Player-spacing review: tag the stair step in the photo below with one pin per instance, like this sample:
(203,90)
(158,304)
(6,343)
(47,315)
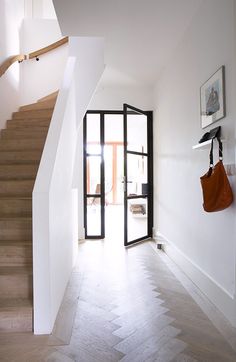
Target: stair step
(16,282)
(20,157)
(15,253)
(21,144)
(18,172)
(20,123)
(49,97)
(26,133)
(16,187)
(15,315)
(15,207)
(15,228)
(38,113)
(50,104)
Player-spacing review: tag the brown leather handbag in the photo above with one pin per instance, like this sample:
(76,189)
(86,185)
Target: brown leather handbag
(217,192)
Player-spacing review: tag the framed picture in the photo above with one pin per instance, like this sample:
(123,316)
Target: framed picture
(212,94)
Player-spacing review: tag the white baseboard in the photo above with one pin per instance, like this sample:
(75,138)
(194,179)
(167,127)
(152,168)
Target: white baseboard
(225,302)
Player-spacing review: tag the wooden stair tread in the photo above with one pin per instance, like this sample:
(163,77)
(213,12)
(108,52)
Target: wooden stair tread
(19,181)
(19,119)
(15,303)
(18,171)
(17,187)
(20,157)
(16,315)
(27,123)
(50,104)
(12,165)
(16,270)
(13,180)
(37,112)
(49,96)
(16,242)
(5,218)
(26,143)
(37,107)
(15,197)
(33,133)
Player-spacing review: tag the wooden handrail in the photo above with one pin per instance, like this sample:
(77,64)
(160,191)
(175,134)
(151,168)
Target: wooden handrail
(47,49)
(20,57)
(9,61)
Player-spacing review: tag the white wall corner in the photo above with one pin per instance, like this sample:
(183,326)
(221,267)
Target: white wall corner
(224,301)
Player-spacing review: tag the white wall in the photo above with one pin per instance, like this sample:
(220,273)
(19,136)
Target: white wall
(39,9)
(40,78)
(54,231)
(12,14)
(55,195)
(109,97)
(78,181)
(203,244)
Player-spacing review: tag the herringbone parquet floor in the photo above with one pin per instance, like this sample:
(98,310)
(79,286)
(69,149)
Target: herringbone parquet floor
(126,305)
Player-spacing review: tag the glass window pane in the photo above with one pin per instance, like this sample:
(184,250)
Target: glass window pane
(93,216)
(137,218)
(113,128)
(136,132)
(114,158)
(93,134)
(120,175)
(109,171)
(93,174)
(136,174)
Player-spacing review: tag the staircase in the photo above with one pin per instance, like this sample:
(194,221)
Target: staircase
(21,145)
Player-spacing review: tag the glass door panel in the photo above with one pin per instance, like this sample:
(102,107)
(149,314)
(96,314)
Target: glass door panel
(120,175)
(109,167)
(136,132)
(137,218)
(137,175)
(93,133)
(93,216)
(93,176)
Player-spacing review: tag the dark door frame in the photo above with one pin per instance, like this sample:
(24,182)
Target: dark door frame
(101,195)
(149,155)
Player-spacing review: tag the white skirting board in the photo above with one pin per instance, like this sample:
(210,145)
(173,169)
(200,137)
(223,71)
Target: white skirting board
(225,302)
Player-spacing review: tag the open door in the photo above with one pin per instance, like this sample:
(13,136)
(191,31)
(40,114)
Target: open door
(138,175)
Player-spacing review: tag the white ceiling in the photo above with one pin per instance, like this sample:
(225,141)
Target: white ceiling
(140,35)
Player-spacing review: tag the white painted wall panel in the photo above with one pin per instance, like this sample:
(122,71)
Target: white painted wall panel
(55,195)
(206,239)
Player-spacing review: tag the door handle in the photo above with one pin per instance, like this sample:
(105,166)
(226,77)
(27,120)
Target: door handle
(124,181)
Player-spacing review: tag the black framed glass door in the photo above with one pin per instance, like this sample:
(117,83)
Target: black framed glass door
(138,175)
(94,194)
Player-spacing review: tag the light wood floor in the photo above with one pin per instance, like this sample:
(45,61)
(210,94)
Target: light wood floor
(123,305)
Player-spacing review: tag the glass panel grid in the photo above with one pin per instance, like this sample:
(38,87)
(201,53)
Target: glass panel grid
(137,218)
(137,132)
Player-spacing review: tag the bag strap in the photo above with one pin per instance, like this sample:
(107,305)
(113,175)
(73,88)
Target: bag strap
(220,151)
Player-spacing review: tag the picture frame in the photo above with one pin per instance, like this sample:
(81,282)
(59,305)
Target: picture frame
(212,98)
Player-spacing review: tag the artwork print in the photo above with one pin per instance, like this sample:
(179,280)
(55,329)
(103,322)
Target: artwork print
(212,99)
